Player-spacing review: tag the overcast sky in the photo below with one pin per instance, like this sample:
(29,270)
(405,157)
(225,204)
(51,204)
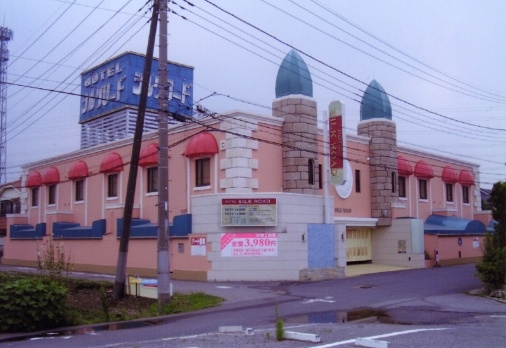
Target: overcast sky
(443,63)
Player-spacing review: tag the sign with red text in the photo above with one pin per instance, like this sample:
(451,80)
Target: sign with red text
(248,212)
(249,244)
(198,246)
(337,140)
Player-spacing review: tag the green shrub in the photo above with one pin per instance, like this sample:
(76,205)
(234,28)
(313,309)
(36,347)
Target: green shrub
(492,268)
(30,304)
(280,329)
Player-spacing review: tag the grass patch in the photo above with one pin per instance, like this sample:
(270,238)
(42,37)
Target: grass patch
(181,303)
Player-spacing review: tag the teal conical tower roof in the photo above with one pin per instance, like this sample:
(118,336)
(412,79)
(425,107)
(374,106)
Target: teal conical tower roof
(375,103)
(293,77)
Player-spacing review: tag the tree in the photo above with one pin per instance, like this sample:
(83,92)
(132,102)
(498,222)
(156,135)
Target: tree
(492,268)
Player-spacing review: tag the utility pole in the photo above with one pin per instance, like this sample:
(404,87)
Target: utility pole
(163,165)
(5,37)
(119,282)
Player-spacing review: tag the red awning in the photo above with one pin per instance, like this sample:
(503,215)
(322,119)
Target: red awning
(112,163)
(78,170)
(201,144)
(52,176)
(149,155)
(423,170)
(466,178)
(449,175)
(403,166)
(34,179)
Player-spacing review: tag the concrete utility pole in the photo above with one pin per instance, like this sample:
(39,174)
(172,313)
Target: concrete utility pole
(119,282)
(163,165)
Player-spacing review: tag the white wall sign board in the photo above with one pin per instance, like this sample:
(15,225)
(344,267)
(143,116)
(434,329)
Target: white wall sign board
(249,244)
(198,246)
(248,212)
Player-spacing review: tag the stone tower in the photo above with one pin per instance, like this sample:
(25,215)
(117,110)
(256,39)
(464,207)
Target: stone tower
(376,123)
(295,104)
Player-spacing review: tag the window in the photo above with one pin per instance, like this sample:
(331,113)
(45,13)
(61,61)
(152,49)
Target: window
(35,197)
(394,180)
(423,188)
(9,207)
(79,184)
(320,176)
(449,192)
(112,185)
(203,172)
(357,180)
(51,195)
(310,172)
(153,179)
(402,186)
(465,194)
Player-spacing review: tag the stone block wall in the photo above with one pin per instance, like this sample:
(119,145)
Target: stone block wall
(383,163)
(300,143)
(239,164)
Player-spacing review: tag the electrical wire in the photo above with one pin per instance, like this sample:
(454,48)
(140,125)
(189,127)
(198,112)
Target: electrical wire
(346,74)
(355,97)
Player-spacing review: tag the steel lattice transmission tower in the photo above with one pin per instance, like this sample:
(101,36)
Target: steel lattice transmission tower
(5,37)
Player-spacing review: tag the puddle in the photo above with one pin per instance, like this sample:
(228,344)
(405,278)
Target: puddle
(87,330)
(364,287)
(341,317)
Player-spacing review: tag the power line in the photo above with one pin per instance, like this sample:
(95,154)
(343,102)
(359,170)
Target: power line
(355,97)
(346,74)
(336,14)
(90,56)
(478,96)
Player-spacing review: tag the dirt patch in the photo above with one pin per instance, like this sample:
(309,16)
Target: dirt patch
(90,301)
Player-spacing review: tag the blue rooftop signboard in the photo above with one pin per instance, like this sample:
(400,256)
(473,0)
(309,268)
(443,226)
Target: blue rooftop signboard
(117,83)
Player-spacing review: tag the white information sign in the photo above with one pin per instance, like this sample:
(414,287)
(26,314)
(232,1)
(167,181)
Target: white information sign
(198,246)
(248,212)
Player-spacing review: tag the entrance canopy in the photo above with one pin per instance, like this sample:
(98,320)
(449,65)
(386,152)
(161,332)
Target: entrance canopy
(453,225)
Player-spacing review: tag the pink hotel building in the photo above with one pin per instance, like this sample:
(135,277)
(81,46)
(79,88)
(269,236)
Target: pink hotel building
(246,192)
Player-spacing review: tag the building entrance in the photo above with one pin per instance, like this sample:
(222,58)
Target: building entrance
(358,244)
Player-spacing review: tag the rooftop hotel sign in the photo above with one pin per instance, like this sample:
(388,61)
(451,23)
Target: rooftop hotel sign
(116,83)
(337,140)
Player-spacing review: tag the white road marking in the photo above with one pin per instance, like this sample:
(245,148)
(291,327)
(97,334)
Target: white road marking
(340,343)
(317,300)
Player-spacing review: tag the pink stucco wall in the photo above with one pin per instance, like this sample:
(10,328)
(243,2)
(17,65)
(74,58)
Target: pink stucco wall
(448,246)
(358,204)
(413,206)
(101,254)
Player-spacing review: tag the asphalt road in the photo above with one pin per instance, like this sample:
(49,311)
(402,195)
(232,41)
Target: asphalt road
(425,308)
